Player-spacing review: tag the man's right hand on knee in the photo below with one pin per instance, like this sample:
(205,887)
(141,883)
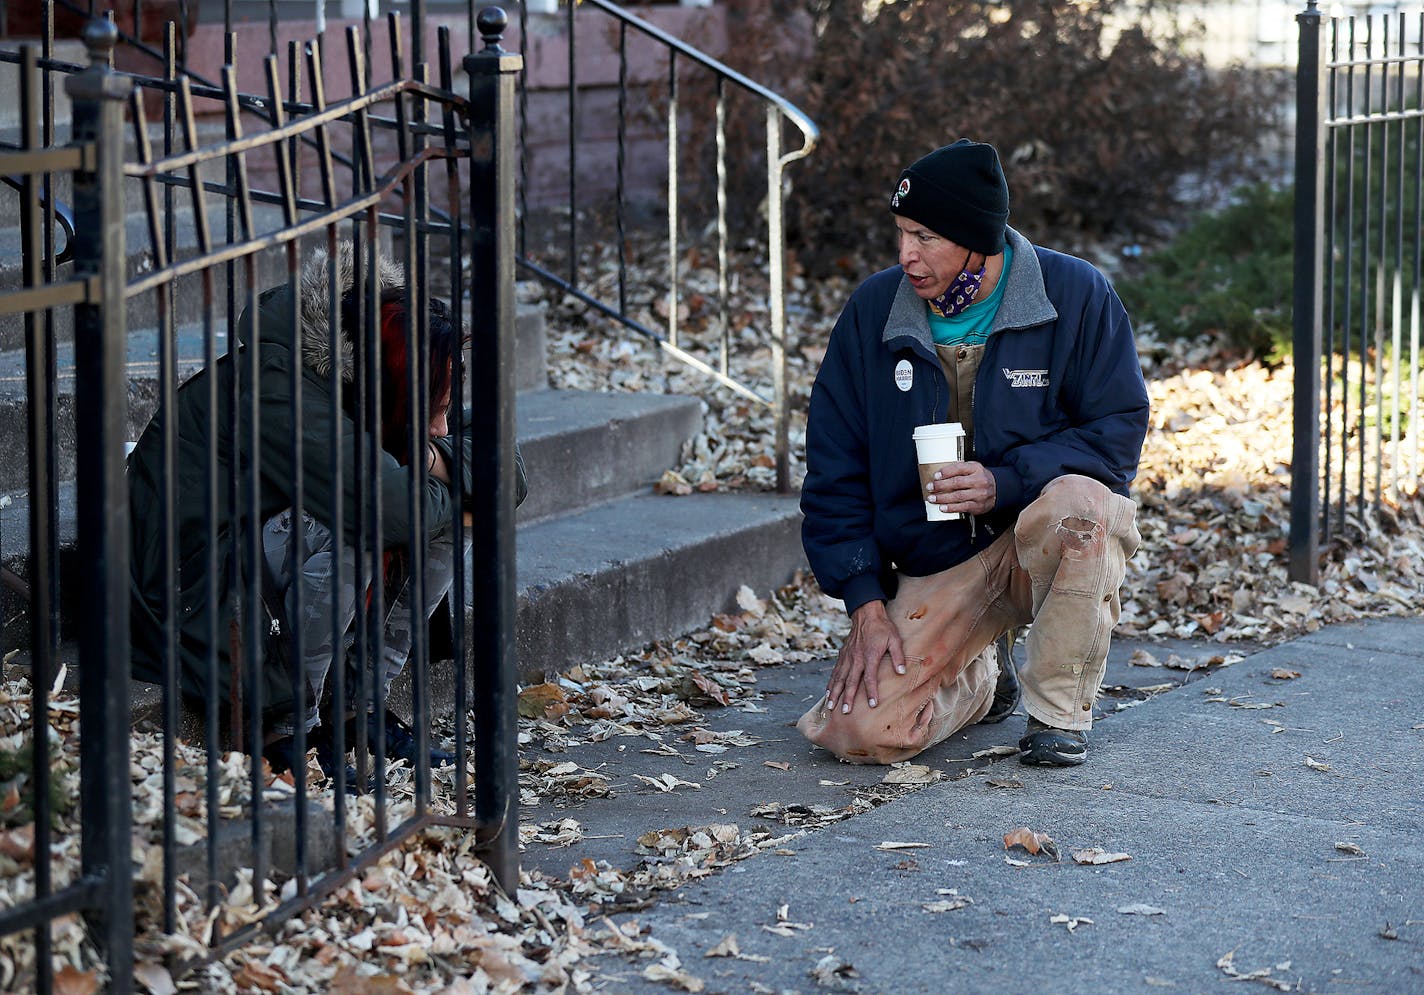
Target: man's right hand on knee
(872,638)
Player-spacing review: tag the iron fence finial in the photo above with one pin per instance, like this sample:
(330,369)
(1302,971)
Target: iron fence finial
(101,35)
(492,21)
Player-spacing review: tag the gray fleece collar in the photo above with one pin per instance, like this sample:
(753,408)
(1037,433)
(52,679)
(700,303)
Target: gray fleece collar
(1024,304)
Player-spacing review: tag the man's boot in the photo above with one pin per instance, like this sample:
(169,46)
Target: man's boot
(1007,691)
(1045,746)
(400,741)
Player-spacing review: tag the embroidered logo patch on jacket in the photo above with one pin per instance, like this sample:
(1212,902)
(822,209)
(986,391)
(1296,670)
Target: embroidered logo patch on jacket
(1026,378)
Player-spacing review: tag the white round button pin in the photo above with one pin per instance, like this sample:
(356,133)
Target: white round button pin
(904,375)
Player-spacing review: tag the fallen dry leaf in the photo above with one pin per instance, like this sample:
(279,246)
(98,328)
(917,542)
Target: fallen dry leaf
(543,701)
(908,773)
(69,980)
(672,483)
(155,978)
(668,974)
(666,782)
(1282,674)
(253,974)
(1314,764)
(787,928)
(1241,702)
(18,844)
(892,845)
(948,904)
(349,981)
(1033,842)
(1351,849)
(1226,964)
(1072,922)
(1139,909)
(830,970)
(1097,855)
(778,764)
(725,947)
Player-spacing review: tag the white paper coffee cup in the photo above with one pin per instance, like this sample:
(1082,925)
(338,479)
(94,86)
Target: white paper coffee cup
(935,446)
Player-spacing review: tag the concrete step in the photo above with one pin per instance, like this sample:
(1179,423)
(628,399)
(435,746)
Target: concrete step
(143,382)
(65,50)
(615,577)
(585,447)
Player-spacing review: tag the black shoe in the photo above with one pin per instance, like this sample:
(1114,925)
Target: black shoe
(1045,746)
(400,741)
(326,756)
(281,755)
(1007,692)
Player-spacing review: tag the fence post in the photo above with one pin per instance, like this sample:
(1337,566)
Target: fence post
(1307,299)
(100,417)
(491,369)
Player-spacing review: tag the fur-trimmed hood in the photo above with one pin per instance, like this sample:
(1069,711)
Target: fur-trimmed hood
(314,314)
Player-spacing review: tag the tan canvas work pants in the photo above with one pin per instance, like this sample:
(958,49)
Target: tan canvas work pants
(1060,569)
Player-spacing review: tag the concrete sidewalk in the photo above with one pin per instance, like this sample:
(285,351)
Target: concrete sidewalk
(1274,825)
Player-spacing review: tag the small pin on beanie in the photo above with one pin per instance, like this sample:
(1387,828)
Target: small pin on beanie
(958,192)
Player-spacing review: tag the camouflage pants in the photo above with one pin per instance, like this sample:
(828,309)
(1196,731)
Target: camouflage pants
(328,596)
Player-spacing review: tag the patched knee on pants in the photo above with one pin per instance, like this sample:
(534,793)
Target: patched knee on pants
(1078,535)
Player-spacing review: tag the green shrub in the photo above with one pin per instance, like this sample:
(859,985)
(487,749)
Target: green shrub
(1226,277)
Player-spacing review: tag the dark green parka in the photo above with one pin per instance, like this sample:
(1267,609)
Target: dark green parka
(278,350)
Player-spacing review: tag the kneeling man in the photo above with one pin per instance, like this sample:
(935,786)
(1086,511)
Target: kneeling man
(1031,352)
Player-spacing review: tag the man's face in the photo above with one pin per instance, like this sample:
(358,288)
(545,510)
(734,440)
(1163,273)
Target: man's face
(930,261)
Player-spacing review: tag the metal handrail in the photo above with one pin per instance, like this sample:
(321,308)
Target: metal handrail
(63,217)
(809,131)
(777,108)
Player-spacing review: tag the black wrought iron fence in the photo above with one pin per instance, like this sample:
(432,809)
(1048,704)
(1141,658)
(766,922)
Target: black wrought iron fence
(285,513)
(1359,248)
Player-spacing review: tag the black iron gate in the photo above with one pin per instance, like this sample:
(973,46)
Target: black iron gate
(405,176)
(1359,241)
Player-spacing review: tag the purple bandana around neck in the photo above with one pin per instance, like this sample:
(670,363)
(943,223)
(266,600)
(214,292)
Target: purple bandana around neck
(959,295)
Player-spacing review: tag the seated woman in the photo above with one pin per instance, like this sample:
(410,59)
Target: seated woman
(208,634)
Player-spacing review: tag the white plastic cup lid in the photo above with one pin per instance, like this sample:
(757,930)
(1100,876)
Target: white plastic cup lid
(945,430)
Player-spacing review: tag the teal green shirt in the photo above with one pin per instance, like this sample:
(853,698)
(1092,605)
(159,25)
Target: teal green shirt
(971,326)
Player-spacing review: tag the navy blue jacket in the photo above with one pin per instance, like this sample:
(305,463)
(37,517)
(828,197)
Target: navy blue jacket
(1059,390)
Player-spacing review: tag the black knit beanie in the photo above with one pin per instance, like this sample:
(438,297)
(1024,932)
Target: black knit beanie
(957,192)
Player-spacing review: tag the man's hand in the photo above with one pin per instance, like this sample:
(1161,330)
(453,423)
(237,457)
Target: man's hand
(965,487)
(872,638)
